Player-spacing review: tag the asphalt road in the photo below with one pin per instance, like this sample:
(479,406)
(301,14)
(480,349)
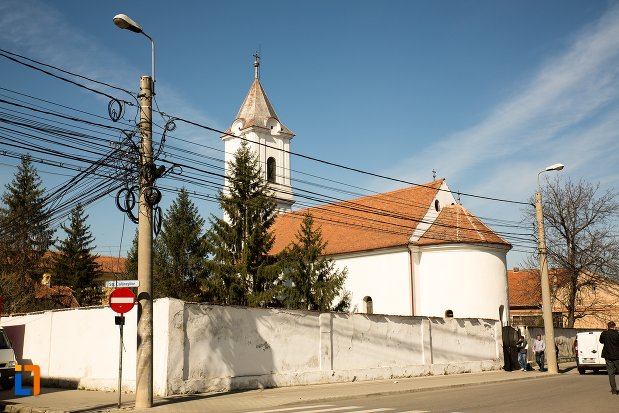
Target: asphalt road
(568,392)
(565,393)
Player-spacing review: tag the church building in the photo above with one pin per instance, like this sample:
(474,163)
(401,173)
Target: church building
(413,251)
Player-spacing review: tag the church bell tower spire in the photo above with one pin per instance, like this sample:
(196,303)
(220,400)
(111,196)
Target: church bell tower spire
(258,124)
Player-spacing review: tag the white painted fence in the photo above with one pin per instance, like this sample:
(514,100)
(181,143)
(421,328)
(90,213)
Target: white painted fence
(202,347)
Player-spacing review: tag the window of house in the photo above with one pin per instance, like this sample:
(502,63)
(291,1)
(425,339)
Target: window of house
(449,314)
(271,169)
(437,206)
(368,305)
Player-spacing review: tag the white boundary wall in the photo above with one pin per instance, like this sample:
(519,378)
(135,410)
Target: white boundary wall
(201,347)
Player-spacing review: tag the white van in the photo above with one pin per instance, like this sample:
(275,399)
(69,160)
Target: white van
(7,362)
(588,351)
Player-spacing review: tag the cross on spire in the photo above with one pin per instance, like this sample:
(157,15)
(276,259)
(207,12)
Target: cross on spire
(433,175)
(257,65)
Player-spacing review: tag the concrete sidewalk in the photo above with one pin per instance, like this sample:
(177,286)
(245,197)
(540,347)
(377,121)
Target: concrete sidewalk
(61,400)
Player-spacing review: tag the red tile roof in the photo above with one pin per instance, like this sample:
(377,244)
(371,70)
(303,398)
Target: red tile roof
(524,288)
(367,223)
(112,265)
(63,295)
(455,224)
(385,220)
(107,264)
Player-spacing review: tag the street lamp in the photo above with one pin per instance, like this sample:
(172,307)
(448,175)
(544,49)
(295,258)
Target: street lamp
(144,354)
(125,22)
(546,305)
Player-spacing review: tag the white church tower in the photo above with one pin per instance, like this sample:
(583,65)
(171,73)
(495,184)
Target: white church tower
(258,124)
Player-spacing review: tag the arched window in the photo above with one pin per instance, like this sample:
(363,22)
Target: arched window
(271,169)
(368,305)
(437,206)
(449,314)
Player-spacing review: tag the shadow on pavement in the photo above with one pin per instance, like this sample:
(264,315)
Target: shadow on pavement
(566,369)
(165,401)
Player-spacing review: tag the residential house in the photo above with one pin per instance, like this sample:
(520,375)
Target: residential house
(596,303)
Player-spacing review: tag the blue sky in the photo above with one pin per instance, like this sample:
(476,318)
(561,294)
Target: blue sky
(487,93)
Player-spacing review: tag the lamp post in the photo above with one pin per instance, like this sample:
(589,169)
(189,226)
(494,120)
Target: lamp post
(125,22)
(546,304)
(144,355)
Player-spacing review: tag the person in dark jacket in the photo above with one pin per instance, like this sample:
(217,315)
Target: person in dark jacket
(610,352)
(521,346)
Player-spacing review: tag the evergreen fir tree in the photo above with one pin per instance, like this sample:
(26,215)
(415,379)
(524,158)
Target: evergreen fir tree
(25,237)
(74,265)
(179,251)
(241,270)
(313,283)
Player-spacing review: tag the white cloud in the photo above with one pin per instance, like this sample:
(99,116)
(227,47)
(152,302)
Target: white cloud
(553,117)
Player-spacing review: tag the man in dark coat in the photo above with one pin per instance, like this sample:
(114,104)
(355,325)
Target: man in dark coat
(610,352)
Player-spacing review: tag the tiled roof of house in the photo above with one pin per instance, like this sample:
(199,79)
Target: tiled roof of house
(455,224)
(524,288)
(62,295)
(112,265)
(107,264)
(256,109)
(367,223)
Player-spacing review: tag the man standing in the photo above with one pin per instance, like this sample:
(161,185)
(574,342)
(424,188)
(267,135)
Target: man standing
(539,347)
(521,346)
(610,352)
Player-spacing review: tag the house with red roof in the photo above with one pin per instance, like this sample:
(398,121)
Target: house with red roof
(597,300)
(412,251)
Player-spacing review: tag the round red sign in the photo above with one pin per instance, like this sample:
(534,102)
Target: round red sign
(122,300)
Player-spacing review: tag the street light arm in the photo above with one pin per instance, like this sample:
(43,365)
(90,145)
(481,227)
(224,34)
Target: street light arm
(152,58)
(538,185)
(123,21)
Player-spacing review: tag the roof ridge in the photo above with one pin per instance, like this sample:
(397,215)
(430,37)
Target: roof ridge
(381,194)
(469,216)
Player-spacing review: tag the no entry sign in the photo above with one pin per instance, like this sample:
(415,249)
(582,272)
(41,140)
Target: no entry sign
(122,300)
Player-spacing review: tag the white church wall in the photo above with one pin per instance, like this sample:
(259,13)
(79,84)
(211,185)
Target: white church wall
(382,275)
(200,347)
(469,280)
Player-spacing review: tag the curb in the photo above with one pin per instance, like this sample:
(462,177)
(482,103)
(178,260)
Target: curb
(424,389)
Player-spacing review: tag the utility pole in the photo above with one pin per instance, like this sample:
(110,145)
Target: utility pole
(549,330)
(144,355)
(148,198)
